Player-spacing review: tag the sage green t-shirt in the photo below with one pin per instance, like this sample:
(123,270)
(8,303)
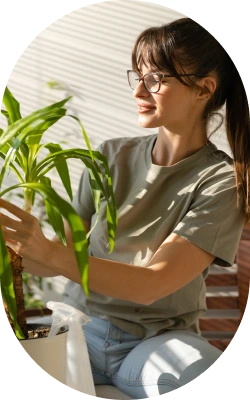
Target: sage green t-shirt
(195,198)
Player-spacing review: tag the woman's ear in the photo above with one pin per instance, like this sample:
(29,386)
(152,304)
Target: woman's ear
(207,87)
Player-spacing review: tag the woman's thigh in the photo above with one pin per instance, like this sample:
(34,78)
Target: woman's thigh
(108,346)
(164,363)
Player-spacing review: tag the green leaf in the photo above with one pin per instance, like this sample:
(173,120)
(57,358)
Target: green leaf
(12,106)
(79,239)
(8,160)
(12,166)
(55,217)
(9,189)
(84,135)
(28,123)
(24,150)
(5,149)
(19,140)
(96,182)
(6,114)
(62,168)
(35,136)
(104,162)
(7,288)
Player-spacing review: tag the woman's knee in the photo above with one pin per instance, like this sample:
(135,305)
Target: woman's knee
(168,361)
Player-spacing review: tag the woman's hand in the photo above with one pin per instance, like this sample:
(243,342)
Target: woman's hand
(24,235)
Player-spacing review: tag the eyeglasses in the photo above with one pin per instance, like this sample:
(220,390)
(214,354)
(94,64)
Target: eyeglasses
(152,81)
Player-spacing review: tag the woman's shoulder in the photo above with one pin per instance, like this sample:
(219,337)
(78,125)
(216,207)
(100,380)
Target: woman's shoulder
(219,165)
(219,155)
(117,145)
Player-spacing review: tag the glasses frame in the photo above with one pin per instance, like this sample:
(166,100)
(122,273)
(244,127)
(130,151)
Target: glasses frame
(161,77)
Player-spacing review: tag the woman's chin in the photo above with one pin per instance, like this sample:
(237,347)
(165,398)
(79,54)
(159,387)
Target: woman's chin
(147,124)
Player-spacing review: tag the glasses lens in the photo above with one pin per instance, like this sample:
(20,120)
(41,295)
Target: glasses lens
(152,82)
(133,79)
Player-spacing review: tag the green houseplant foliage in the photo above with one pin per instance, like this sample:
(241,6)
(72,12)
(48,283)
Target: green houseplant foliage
(20,145)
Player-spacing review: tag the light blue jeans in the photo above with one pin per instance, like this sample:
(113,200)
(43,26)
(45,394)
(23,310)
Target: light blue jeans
(146,368)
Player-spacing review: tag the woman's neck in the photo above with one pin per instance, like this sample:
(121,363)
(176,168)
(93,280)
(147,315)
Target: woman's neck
(171,148)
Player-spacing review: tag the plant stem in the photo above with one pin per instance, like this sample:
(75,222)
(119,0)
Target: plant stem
(28,193)
(16,265)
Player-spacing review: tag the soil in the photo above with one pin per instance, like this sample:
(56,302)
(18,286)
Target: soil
(36,331)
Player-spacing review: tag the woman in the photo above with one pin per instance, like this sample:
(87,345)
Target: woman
(181,205)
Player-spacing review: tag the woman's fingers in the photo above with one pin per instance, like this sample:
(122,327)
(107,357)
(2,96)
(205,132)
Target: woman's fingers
(13,245)
(18,212)
(9,222)
(25,233)
(8,241)
(10,234)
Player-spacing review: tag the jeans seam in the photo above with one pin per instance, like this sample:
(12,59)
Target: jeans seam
(145,382)
(105,350)
(122,336)
(99,371)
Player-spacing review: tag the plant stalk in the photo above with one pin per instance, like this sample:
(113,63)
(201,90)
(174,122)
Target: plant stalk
(16,265)
(17,268)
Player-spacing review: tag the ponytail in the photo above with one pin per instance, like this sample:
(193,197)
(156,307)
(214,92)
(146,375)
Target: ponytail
(238,135)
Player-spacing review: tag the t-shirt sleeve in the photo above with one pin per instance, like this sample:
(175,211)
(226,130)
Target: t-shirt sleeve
(83,202)
(214,222)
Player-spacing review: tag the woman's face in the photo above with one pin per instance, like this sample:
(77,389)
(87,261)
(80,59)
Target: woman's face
(171,107)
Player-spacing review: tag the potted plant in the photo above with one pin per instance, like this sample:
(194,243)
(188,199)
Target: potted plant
(20,150)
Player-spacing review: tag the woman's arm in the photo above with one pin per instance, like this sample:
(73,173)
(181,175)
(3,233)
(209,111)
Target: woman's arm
(175,263)
(110,278)
(37,269)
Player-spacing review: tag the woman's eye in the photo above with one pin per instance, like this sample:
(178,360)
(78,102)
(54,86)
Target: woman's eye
(154,78)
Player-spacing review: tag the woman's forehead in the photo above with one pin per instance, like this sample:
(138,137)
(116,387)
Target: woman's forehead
(147,68)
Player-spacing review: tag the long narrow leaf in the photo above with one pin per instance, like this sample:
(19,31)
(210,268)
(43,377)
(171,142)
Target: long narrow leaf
(104,162)
(7,287)
(96,192)
(24,150)
(18,160)
(96,181)
(19,141)
(42,114)
(35,136)
(84,156)
(6,114)
(12,166)
(7,190)
(62,168)
(8,160)
(55,217)
(12,106)
(84,135)
(79,239)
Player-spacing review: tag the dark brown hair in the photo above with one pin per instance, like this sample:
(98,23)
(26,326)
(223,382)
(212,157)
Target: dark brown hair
(185,45)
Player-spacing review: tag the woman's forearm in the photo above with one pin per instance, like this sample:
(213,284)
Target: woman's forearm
(36,269)
(110,278)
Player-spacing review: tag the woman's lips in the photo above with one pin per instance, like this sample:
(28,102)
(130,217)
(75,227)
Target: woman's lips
(144,109)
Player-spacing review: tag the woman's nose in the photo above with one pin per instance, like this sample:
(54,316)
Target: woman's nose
(140,90)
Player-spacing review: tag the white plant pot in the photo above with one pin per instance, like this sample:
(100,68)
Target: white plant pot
(63,356)
(49,355)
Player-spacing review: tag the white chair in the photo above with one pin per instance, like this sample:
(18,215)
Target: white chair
(110,392)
